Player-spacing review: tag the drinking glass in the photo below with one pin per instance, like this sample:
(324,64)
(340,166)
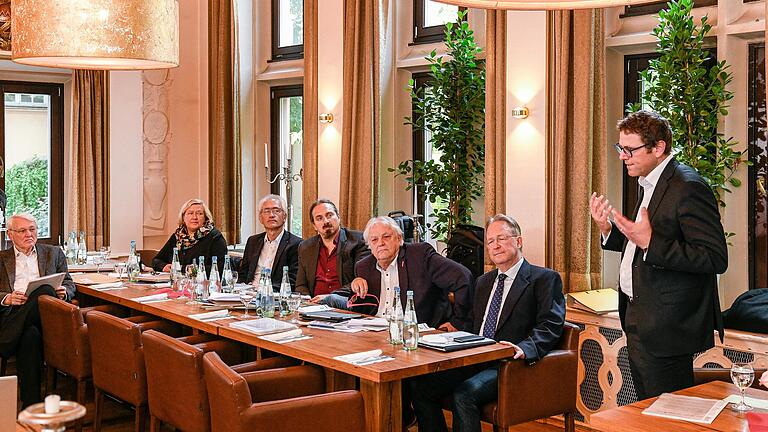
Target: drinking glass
(98,259)
(294,301)
(120,269)
(742,375)
(230,280)
(246,295)
(189,287)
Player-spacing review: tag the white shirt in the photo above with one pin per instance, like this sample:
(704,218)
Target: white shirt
(511,275)
(269,250)
(649,185)
(26,269)
(390,278)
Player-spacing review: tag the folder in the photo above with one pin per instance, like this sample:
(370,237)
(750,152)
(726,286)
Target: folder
(599,301)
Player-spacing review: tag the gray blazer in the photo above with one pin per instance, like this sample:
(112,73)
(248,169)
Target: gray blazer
(50,259)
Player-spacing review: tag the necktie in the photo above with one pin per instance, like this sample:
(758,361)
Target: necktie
(493,311)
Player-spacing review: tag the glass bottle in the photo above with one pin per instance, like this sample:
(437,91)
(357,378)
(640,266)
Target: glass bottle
(396,320)
(410,325)
(214,282)
(72,248)
(285,292)
(202,279)
(226,275)
(267,295)
(132,267)
(175,265)
(82,250)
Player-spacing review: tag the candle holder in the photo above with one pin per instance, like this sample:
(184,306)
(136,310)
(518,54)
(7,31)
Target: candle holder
(288,177)
(56,422)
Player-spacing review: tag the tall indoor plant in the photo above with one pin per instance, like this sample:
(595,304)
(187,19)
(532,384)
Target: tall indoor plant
(691,96)
(452,109)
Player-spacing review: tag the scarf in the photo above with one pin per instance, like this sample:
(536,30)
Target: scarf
(185,241)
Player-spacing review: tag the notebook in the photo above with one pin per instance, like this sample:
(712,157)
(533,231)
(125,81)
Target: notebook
(8,406)
(446,341)
(329,315)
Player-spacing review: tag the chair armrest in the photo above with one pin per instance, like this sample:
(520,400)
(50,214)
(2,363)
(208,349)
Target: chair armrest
(166,327)
(285,383)
(339,411)
(111,309)
(141,318)
(197,338)
(229,351)
(549,387)
(267,363)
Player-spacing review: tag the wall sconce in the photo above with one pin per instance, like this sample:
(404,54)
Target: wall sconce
(520,112)
(325,118)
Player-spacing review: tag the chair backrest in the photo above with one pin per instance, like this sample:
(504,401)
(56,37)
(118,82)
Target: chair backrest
(569,339)
(65,338)
(175,386)
(146,256)
(228,392)
(117,357)
(705,375)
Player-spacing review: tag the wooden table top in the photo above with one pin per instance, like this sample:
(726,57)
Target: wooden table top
(321,349)
(630,418)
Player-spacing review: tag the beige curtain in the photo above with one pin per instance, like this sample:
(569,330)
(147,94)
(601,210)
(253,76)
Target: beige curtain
(495,114)
(577,150)
(90,156)
(359,138)
(309,179)
(224,176)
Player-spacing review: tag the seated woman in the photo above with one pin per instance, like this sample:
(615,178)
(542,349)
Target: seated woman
(196,236)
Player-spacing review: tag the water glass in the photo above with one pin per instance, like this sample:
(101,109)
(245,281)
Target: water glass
(246,296)
(189,288)
(98,259)
(742,375)
(294,301)
(230,279)
(120,269)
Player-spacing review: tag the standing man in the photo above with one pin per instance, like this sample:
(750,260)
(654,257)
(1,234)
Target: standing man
(327,260)
(272,249)
(518,304)
(416,267)
(20,327)
(672,247)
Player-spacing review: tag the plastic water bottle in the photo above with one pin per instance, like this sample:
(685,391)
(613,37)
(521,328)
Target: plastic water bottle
(214,282)
(267,294)
(410,325)
(396,321)
(285,292)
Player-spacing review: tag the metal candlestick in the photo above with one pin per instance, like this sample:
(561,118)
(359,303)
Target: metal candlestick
(287,177)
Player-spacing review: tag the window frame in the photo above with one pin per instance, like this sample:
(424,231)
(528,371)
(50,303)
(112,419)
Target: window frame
(758,268)
(422,34)
(420,80)
(277,93)
(291,52)
(653,8)
(56,190)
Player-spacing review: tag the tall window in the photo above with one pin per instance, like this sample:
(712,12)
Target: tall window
(655,7)
(758,154)
(32,149)
(287,29)
(429,19)
(287,144)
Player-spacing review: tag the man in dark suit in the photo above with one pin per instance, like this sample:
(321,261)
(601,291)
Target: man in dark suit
(327,260)
(672,249)
(413,267)
(518,304)
(20,328)
(274,248)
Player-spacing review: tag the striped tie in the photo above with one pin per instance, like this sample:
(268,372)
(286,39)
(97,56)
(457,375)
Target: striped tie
(493,311)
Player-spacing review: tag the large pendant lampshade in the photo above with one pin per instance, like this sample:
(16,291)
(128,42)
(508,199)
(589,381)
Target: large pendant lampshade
(96,34)
(542,4)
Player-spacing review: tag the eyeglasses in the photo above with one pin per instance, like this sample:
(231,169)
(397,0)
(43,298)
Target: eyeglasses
(351,302)
(25,230)
(627,151)
(272,210)
(500,239)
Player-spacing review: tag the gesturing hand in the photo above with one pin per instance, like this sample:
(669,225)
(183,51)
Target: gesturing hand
(638,232)
(600,208)
(359,286)
(519,354)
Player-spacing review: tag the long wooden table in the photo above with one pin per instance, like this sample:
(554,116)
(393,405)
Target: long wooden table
(630,418)
(380,383)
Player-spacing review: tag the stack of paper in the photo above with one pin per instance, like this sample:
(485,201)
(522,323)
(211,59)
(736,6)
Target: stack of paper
(596,301)
(687,408)
(263,326)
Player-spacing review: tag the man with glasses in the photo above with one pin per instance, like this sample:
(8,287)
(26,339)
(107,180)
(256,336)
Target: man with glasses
(20,327)
(672,247)
(517,304)
(272,249)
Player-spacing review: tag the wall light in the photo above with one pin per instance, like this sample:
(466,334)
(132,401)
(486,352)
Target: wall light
(520,112)
(96,34)
(325,118)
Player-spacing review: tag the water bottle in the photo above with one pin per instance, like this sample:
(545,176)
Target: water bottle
(82,250)
(285,292)
(132,268)
(226,276)
(201,280)
(214,282)
(410,325)
(268,295)
(175,265)
(72,249)
(396,321)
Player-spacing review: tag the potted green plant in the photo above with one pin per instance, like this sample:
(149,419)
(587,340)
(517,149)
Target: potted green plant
(452,109)
(691,95)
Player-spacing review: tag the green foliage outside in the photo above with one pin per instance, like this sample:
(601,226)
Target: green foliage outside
(452,108)
(27,190)
(296,138)
(692,96)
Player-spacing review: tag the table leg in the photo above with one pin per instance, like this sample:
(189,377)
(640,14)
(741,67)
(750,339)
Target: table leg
(383,405)
(335,381)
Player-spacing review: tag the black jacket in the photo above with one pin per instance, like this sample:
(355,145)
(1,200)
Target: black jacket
(287,255)
(351,249)
(213,244)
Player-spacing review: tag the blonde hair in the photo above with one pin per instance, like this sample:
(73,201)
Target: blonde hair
(190,203)
(382,220)
(23,216)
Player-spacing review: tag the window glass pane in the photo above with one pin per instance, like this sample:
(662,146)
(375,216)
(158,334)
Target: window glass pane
(437,14)
(291,147)
(431,153)
(291,23)
(27,158)
(758,154)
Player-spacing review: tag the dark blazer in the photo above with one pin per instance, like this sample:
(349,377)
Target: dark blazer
(431,277)
(533,313)
(675,285)
(287,255)
(50,259)
(213,244)
(351,249)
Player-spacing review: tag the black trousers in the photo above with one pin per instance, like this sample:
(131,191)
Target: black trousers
(21,335)
(654,375)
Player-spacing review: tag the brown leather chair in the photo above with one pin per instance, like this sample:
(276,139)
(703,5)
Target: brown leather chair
(146,256)
(117,356)
(544,389)
(175,384)
(705,375)
(278,400)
